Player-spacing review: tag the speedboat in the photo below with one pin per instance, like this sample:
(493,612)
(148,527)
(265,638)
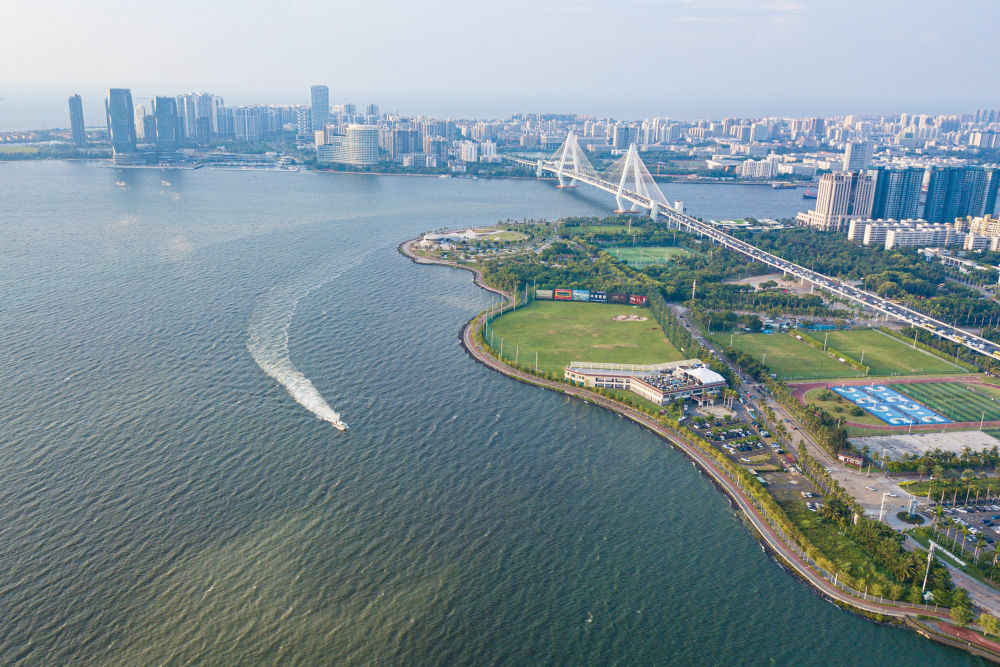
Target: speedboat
(337,422)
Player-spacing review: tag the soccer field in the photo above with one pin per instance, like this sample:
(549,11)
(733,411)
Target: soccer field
(887,356)
(561,332)
(955,400)
(644,256)
(787,357)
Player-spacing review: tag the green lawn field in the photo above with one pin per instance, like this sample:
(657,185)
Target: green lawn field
(561,332)
(955,400)
(887,356)
(788,358)
(644,256)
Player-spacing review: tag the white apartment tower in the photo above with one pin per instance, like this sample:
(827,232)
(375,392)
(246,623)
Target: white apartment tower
(842,196)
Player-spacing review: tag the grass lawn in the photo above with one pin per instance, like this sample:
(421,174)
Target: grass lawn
(562,332)
(788,358)
(885,355)
(839,406)
(19,149)
(644,256)
(843,551)
(955,400)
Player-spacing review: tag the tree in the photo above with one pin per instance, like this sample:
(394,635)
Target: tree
(961,608)
(989,623)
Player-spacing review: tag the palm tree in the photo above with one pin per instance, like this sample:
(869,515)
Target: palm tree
(938,511)
(968,476)
(965,535)
(980,542)
(922,469)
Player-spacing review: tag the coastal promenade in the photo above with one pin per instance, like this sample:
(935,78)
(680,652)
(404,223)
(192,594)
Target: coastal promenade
(772,537)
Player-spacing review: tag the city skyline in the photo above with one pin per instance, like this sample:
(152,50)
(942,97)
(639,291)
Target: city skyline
(676,59)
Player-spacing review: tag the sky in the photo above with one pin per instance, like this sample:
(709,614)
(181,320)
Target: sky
(626,59)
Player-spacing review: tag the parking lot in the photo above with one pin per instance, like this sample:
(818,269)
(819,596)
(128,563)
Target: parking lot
(978,519)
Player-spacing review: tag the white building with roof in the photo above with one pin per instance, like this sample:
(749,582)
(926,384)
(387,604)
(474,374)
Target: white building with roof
(657,383)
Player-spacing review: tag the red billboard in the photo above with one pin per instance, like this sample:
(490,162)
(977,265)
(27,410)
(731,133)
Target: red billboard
(637,300)
(563,294)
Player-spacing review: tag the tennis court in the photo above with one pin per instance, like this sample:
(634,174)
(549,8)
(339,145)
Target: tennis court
(889,405)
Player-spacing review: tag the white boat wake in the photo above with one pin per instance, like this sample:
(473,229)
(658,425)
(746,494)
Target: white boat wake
(267,342)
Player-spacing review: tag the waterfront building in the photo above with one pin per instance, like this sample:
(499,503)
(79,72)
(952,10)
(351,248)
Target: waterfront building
(76,120)
(436,146)
(403,141)
(841,197)
(357,146)
(320,106)
(246,125)
(121,121)
(858,155)
(169,134)
(958,192)
(758,169)
(303,122)
(897,192)
(468,151)
(659,383)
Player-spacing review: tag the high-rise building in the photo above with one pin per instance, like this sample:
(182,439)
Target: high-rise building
(76,120)
(303,120)
(320,107)
(403,141)
(841,197)
(957,192)
(358,146)
(169,134)
(858,155)
(624,135)
(897,193)
(247,125)
(468,151)
(121,121)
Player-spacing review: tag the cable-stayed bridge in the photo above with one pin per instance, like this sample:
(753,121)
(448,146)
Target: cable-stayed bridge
(630,182)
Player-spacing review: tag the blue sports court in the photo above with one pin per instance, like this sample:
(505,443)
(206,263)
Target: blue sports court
(890,406)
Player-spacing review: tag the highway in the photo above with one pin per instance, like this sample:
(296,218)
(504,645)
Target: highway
(833,285)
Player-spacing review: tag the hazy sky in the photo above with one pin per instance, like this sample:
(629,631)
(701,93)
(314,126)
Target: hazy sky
(626,58)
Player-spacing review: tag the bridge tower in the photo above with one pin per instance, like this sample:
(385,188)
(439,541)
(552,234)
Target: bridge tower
(571,156)
(629,176)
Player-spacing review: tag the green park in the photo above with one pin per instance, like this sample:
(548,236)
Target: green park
(561,332)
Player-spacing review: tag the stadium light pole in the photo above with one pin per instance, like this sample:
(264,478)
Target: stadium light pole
(981,420)
(825,338)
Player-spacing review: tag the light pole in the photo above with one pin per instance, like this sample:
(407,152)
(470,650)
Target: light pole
(881,509)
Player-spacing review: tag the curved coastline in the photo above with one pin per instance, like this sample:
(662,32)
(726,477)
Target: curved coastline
(931,624)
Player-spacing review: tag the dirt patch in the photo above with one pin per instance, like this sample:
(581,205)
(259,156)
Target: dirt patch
(629,318)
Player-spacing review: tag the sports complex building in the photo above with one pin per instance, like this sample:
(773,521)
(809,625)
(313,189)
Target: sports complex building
(659,383)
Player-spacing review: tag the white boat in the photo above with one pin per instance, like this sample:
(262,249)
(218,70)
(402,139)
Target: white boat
(339,424)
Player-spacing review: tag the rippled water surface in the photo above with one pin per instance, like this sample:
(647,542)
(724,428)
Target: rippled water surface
(167,492)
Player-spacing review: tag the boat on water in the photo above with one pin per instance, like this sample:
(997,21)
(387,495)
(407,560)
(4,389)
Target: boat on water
(338,423)
(783,186)
(810,193)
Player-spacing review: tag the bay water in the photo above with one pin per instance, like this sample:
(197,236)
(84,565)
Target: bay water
(168,493)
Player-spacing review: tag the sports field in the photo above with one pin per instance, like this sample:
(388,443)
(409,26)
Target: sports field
(644,256)
(561,332)
(788,358)
(887,356)
(957,401)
